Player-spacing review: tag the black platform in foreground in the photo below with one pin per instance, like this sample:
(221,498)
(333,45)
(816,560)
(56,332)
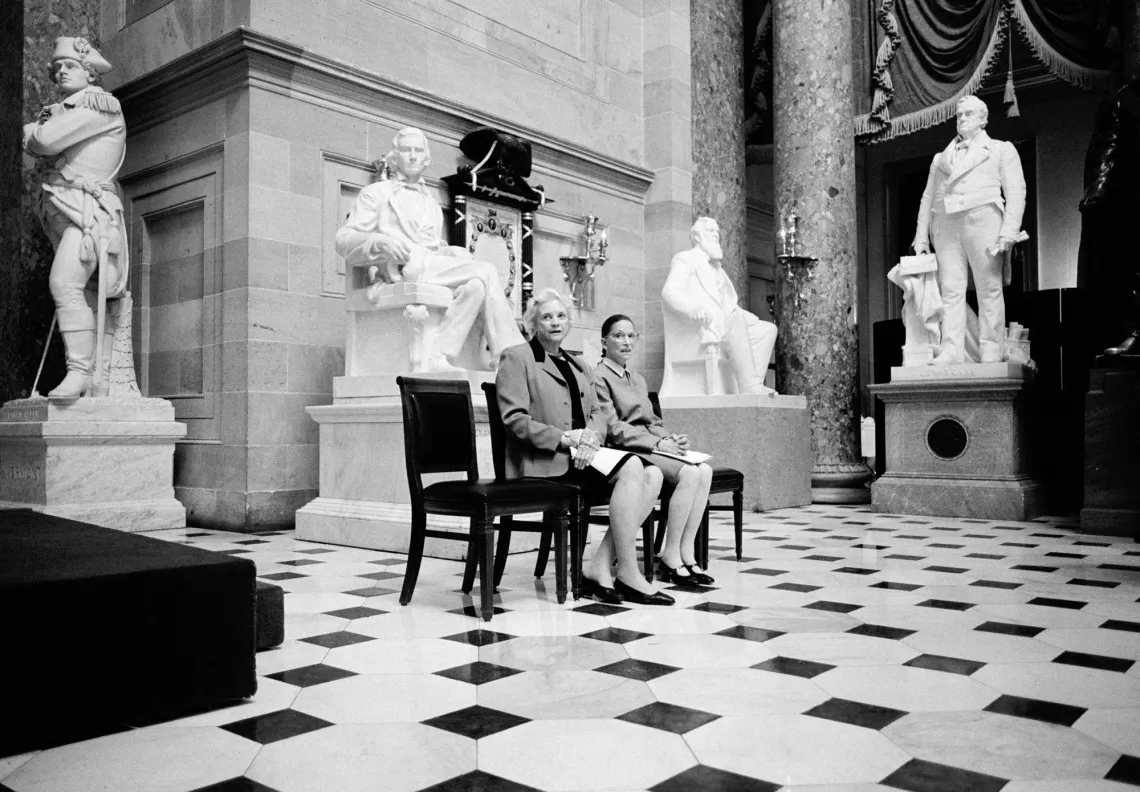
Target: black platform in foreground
(102,627)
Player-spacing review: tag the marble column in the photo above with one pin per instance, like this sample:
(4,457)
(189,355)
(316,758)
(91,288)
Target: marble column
(717,31)
(817,349)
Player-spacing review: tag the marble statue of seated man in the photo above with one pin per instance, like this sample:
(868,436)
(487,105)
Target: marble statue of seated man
(396,228)
(703,319)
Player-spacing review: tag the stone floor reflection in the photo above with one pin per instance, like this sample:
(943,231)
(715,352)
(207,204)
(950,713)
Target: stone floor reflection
(846,651)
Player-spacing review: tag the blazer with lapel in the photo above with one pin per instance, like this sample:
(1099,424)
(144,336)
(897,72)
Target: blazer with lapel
(989,171)
(534,400)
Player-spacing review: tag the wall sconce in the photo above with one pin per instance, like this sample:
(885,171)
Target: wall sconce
(578,271)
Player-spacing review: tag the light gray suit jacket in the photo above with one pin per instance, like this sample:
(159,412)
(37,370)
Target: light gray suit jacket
(534,400)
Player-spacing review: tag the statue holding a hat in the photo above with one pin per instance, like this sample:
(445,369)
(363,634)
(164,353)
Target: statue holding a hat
(80,142)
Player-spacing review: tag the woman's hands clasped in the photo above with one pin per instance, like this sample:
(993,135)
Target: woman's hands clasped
(587,441)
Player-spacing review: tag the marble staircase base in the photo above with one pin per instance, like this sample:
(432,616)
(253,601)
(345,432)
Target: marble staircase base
(108,461)
(768,438)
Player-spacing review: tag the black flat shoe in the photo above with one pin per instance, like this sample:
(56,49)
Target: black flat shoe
(595,590)
(700,578)
(674,576)
(637,598)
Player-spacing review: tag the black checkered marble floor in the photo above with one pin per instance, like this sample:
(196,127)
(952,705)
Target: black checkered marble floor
(846,651)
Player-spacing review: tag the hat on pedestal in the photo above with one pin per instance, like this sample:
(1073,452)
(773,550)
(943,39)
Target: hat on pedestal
(79,49)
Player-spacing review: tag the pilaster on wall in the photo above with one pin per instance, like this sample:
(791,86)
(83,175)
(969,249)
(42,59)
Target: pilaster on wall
(667,111)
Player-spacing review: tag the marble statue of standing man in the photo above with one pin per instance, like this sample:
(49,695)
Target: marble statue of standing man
(80,142)
(972,209)
(396,225)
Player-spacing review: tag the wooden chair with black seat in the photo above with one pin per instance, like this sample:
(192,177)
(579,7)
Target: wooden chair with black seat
(724,479)
(578,528)
(439,437)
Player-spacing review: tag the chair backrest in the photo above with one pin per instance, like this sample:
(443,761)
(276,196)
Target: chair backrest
(439,429)
(655,400)
(498,431)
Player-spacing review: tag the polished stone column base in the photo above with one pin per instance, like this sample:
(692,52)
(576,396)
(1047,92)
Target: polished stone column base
(1016,499)
(841,483)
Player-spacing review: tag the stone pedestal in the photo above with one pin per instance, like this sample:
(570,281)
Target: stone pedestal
(1112,453)
(107,461)
(957,446)
(364,498)
(767,438)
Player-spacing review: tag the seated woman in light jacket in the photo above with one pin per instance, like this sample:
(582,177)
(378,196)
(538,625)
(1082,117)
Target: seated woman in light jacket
(549,406)
(634,426)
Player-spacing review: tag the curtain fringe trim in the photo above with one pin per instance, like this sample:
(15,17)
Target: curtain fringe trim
(1058,64)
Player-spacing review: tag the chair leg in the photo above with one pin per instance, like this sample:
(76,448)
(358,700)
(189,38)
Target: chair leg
(647,546)
(472,560)
(738,521)
(486,533)
(503,548)
(662,519)
(561,527)
(703,541)
(415,555)
(579,526)
(543,555)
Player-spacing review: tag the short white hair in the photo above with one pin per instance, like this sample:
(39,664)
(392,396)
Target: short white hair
(390,157)
(541,298)
(977,104)
(699,226)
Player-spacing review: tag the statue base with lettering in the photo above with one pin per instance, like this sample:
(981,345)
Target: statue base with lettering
(364,498)
(106,460)
(767,438)
(957,443)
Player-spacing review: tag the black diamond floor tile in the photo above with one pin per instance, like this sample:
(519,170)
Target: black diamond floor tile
(710,779)
(1017,544)
(762,571)
(335,640)
(1120,567)
(1035,709)
(358,612)
(615,635)
(307,676)
(905,557)
(1056,554)
(750,633)
(640,670)
(998,584)
(471,610)
(837,607)
(951,665)
(893,586)
(478,673)
(881,631)
(200,533)
(282,576)
(1034,568)
(856,570)
(389,561)
(296,562)
(1102,662)
(478,781)
(692,589)
(793,667)
(822,558)
(478,637)
(948,569)
(946,545)
(856,713)
(717,607)
(239,784)
(797,587)
(1051,602)
(1126,770)
(1120,624)
(251,541)
(371,591)
(274,726)
(794,547)
(1003,628)
(668,717)
(942,604)
(314,551)
(990,556)
(378,576)
(600,609)
(476,722)
(918,775)
(1093,583)
(232,552)
(1084,543)
(863,546)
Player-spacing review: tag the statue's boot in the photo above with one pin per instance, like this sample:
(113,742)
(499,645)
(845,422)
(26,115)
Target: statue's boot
(1129,346)
(77,327)
(748,378)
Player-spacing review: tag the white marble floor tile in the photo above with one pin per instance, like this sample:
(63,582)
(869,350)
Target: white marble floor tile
(320,602)
(1001,745)
(841,649)
(905,688)
(1065,785)
(8,764)
(412,656)
(1124,610)
(867,597)
(669,620)
(1064,684)
(546,622)
(923,618)
(290,654)
(548,653)
(1116,728)
(738,691)
(142,760)
(561,695)
(315,583)
(980,595)
(405,623)
(271,696)
(840,788)
(364,757)
(306,625)
(984,647)
(713,651)
(1040,616)
(757,591)
(584,755)
(1113,643)
(795,620)
(796,749)
(385,698)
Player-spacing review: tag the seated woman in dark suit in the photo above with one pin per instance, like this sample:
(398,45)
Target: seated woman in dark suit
(549,406)
(633,426)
